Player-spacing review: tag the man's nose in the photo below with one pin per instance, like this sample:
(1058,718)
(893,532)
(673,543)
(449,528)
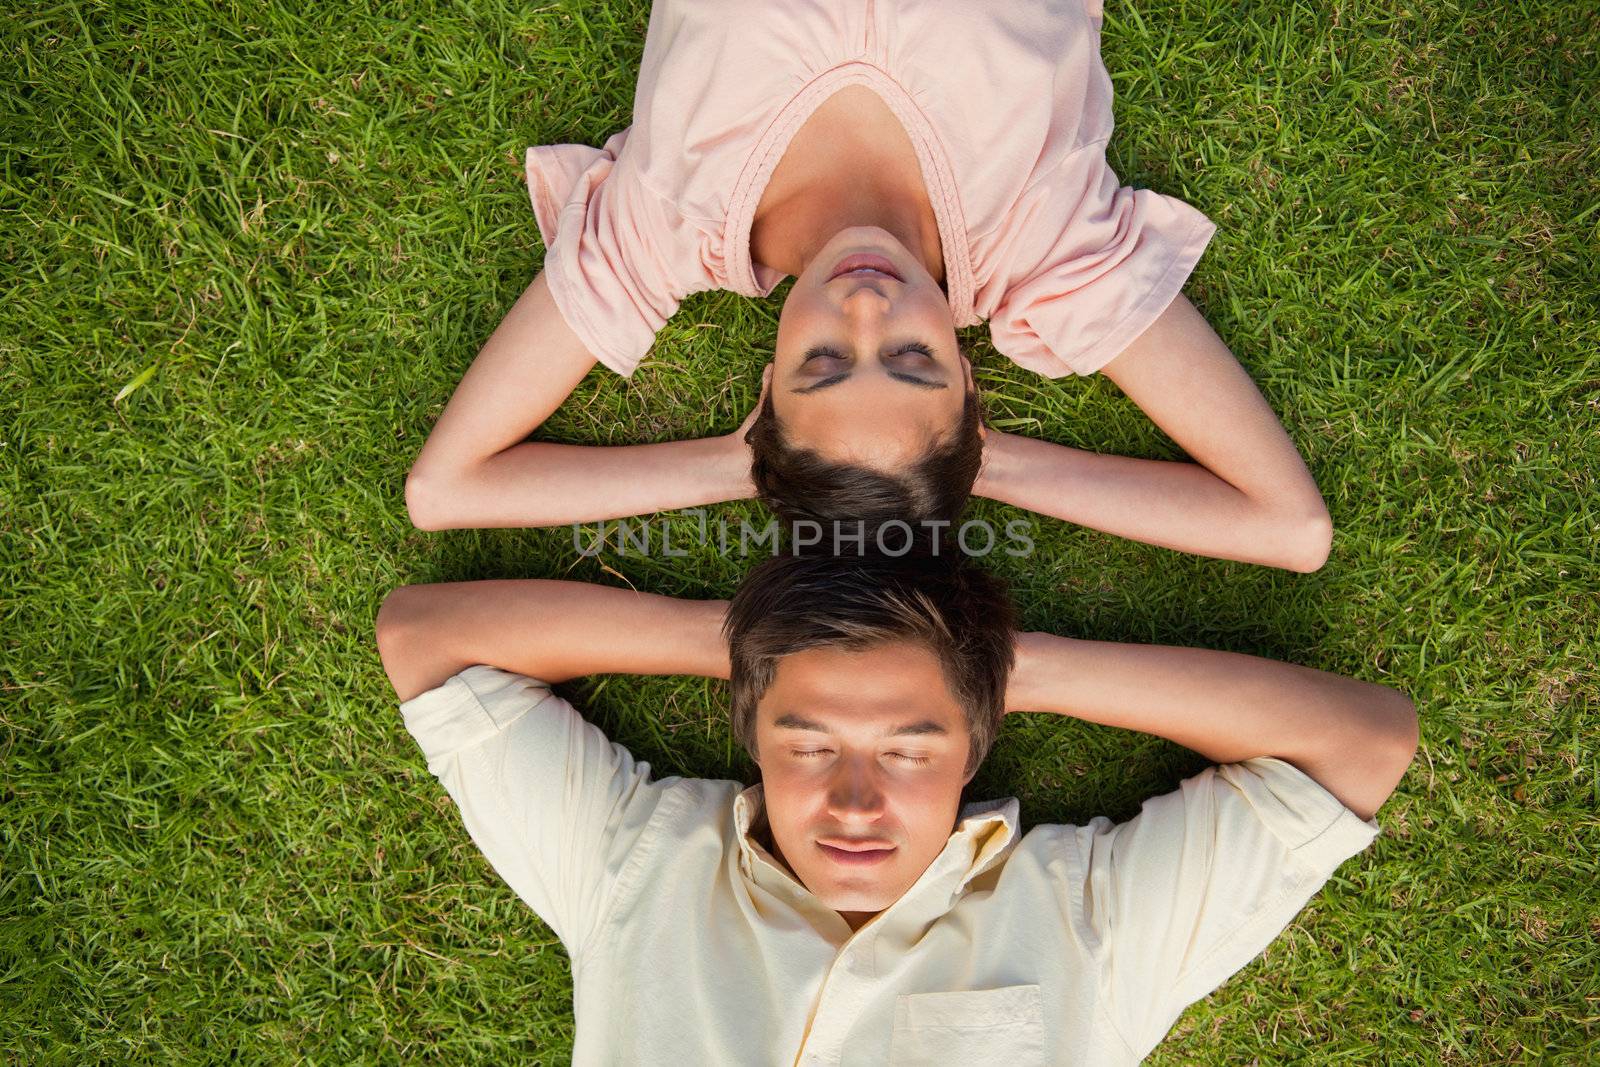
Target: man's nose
(854,793)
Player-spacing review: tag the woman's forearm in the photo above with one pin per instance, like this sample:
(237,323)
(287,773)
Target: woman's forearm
(1175,505)
(540,483)
(1354,738)
(477,467)
(550,630)
(1186,380)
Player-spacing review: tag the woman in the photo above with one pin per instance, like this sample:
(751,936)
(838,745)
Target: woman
(916,167)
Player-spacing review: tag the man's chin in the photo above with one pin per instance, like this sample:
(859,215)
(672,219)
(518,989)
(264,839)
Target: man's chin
(854,898)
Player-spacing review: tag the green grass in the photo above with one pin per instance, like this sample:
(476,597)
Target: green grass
(247,251)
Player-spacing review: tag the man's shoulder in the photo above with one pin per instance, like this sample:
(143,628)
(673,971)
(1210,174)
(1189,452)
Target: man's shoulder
(696,805)
(708,793)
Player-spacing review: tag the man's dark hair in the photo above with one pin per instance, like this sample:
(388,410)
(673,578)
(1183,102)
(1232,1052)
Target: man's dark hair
(959,612)
(797,483)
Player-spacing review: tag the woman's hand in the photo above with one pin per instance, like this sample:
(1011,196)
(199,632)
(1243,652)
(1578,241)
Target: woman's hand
(761,402)
(735,447)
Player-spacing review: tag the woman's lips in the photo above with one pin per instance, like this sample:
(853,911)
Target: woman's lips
(862,261)
(856,858)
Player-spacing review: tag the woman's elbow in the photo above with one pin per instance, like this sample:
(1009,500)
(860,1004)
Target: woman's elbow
(425,501)
(1309,539)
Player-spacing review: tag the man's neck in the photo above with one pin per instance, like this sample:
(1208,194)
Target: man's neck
(761,833)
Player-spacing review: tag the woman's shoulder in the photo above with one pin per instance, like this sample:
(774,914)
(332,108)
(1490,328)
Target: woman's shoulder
(715,73)
(1012,111)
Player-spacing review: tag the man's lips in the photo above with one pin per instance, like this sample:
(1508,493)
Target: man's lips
(862,261)
(853,853)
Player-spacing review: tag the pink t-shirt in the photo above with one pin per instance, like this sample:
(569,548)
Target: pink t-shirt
(1007,104)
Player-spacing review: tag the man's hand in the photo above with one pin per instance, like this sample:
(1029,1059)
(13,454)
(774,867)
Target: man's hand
(1356,739)
(549,630)
(1022,685)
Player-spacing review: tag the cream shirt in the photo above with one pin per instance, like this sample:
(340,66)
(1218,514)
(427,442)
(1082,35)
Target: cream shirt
(1007,105)
(691,945)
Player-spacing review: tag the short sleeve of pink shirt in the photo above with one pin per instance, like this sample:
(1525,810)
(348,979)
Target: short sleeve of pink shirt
(1007,105)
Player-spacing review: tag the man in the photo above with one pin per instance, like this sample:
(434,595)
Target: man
(849,910)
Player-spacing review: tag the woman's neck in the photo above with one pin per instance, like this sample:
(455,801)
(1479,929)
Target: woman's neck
(798,228)
(850,164)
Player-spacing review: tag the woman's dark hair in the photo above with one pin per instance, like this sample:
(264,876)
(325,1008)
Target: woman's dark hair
(959,612)
(797,483)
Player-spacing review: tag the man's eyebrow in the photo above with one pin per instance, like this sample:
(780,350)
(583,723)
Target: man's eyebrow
(926,726)
(791,721)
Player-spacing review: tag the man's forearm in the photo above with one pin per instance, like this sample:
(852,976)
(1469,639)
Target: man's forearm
(1353,737)
(542,483)
(1175,505)
(550,630)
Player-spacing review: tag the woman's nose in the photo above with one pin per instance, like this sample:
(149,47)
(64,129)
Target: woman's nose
(867,311)
(865,300)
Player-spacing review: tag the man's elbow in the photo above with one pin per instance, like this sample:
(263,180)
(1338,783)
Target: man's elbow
(1372,760)
(1398,737)
(1407,731)
(396,628)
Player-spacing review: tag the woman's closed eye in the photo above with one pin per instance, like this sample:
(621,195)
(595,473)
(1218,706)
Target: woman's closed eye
(912,363)
(915,349)
(823,353)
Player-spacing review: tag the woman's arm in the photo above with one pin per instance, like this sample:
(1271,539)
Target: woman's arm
(548,630)
(1247,496)
(1356,739)
(477,470)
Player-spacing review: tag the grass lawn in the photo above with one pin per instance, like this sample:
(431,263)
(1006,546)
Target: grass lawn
(248,249)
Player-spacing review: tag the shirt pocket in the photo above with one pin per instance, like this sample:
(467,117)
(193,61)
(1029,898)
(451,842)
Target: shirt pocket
(1002,1026)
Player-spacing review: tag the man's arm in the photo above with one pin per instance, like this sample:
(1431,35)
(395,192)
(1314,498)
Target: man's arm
(548,630)
(477,470)
(1248,495)
(1354,738)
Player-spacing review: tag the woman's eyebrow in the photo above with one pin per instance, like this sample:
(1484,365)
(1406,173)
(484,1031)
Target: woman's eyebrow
(898,376)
